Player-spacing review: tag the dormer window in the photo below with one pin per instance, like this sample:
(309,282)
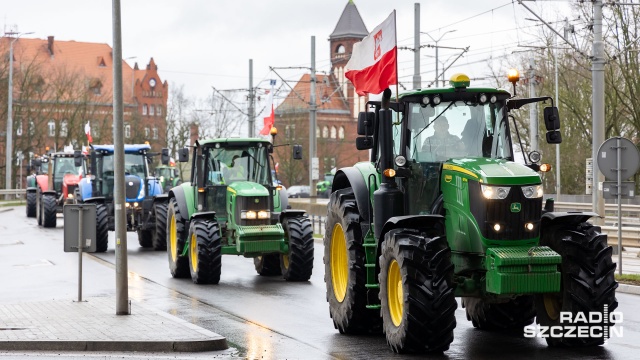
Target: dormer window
(95,86)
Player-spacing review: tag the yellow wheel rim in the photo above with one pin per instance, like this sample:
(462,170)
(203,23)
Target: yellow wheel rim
(173,241)
(395,293)
(552,305)
(193,249)
(339,263)
(285,261)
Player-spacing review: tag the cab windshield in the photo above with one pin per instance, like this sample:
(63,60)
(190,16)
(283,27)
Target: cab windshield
(230,164)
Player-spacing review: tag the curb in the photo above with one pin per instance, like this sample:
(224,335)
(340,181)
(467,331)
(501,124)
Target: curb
(100,345)
(628,289)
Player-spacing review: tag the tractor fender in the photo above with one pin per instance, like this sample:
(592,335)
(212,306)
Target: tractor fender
(32,189)
(94,200)
(208,215)
(162,198)
(352,177)
(181,200)
(568,217)
(42,182)
(49,192)
(290,213)
(435,222)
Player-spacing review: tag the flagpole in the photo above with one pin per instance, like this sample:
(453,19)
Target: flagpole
(395,33)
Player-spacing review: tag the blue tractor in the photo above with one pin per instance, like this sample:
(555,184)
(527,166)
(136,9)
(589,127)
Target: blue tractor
(143,194)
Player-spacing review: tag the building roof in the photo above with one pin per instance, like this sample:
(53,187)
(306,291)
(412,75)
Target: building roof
(350,24)
(94,60)
(328,97)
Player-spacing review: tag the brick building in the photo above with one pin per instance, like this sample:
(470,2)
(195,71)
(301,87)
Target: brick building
(337,109)
(59,86)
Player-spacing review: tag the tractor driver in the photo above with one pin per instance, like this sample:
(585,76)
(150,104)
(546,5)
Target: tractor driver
(235,170)
(442,143)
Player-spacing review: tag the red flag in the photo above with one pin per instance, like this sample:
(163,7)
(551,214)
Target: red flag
(268,122)
(87,130)
(373,64)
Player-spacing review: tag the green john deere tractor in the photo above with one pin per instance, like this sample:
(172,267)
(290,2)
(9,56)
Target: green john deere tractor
(323,187)
(169,177)
(232,207)
(443,210)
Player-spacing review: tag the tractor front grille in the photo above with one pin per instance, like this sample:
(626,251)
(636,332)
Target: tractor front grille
(255,203)
(132,186)
(488,213)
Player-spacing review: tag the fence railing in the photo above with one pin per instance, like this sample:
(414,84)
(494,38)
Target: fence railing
(12,193)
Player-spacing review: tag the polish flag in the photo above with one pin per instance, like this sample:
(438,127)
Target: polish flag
(269,120)
(373,65)
(87,130)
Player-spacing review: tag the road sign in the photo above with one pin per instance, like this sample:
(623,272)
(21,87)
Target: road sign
(608,158)
(72,222)
(610,189)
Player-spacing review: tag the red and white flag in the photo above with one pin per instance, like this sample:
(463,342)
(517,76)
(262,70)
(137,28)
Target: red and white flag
(373,64)
(269,120)
(87,130)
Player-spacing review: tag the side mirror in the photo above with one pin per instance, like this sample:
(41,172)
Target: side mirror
(554,137)
(164,157)
(551,118)
(77,158)
(364,142)
(297,152)
(365,123)
(183,155)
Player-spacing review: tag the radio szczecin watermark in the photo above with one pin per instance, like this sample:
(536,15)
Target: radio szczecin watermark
(581,325)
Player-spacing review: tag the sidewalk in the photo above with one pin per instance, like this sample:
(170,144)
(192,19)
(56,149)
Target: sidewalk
(92,325)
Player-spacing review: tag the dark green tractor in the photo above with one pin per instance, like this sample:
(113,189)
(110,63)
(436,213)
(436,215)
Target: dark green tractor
(168,176)
(444,210)
(232,207)
(323,187)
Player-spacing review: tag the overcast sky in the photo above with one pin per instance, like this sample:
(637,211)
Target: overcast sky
(204,43)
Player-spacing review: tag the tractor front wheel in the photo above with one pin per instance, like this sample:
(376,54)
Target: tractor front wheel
(31,204)
(345,273)
(587,285)
(267,264)
(49,211)
(297,264)
(416,292)
(39,207)
(102,228)
(205,251)
(514,314)
(176,239)
(145,238)
(160,234)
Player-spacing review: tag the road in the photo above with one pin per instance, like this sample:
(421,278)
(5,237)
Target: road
(262,317)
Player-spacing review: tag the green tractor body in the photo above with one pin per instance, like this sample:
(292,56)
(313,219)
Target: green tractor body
(168,176)
(323,187)
(444,210)
(232,207)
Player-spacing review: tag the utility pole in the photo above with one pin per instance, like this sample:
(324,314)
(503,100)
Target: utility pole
(120,215)
(436,41)
(597,74)
(416,46)
(252,115)
(555,65)
(312,118)
(533,108)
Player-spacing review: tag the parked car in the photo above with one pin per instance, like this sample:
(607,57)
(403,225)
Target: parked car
(298,191)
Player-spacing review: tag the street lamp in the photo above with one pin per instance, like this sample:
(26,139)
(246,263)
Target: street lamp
(436,41)
(9,134)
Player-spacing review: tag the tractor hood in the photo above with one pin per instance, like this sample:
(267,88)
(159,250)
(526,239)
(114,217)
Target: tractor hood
(494,171)
(70,179)
(247,188)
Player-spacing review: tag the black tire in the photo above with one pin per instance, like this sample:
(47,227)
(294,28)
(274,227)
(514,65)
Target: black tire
(49,211)
(39,209)
(297,264)
(267,264)
(145,238)
(588,283)
(421,317)
(31,204)
(160,234)
(205,251)
(102,228)
(514,314)
(348,296)
(176,239)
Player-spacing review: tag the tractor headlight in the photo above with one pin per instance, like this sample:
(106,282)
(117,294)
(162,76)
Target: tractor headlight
(483,98)
(495,192)
(532,192)
(263,214)
(249,215)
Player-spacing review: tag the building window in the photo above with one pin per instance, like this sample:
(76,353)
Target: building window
(155,133)
(287,134)
(146,133)
(152,110)
(19,128)
(325,132)
(341,132)
(52,128)
(95,86)
(159,110)
(341,49)
(144,109)
(317,131)
(333,132)
(32,128)
(127,131)
(63,129)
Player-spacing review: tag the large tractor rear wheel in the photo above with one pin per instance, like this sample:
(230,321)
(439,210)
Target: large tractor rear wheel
(160,234)
(297,264)
(31,204)
(49,211)
(588,284)
(345,274)
(145,238)
(205,251)
(514,314)
(102,228)
(176,239)
(416,292)
(267,264)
